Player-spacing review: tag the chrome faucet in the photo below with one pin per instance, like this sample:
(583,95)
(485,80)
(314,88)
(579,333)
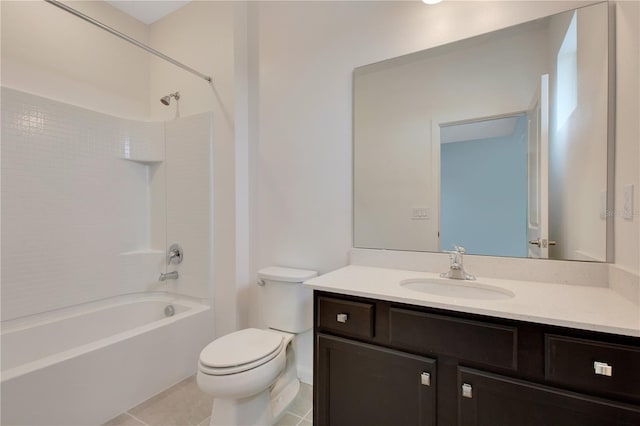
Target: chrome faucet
(175,254)
(168,276)
(456,268)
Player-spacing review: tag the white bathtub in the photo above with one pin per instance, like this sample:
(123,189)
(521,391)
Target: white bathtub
(86,364)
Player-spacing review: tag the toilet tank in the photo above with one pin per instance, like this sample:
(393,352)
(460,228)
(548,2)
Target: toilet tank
(287,304)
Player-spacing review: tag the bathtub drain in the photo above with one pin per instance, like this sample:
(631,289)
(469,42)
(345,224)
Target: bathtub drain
(169,310)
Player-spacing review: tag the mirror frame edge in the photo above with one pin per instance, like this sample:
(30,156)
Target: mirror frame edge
(611,130)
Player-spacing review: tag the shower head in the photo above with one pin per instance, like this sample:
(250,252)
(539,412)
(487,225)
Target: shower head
(167,99)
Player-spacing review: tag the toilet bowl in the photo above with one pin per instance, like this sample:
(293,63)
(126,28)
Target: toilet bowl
(252,373)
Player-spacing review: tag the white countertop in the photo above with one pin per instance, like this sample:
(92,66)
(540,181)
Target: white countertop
(583,307)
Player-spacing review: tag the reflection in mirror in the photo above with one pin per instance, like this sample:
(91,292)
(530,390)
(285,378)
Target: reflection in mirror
(483,186)
(497,143)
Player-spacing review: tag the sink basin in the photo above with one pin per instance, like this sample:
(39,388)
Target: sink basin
(458,289)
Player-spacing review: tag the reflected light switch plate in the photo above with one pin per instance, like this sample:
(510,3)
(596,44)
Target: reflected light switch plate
(421,213)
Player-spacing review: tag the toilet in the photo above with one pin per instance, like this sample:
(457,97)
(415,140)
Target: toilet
(251,373)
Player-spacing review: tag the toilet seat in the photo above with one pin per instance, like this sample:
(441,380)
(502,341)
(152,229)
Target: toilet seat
(240,351)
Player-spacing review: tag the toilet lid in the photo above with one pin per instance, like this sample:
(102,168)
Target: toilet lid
(240,348)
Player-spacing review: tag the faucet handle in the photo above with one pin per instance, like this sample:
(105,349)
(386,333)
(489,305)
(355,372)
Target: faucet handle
(456,269)
(174,254)
(459,249)
(454,258)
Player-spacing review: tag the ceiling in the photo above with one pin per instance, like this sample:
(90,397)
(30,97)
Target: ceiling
(477,130)
(148,11)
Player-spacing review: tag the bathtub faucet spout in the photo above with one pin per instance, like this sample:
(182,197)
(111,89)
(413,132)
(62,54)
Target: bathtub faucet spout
(168,276)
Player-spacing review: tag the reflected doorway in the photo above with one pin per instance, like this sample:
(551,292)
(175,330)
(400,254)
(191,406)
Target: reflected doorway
(483,179)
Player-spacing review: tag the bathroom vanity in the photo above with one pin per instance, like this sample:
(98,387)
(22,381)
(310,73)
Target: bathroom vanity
(388,355)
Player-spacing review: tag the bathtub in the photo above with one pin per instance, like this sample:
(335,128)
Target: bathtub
(86,364)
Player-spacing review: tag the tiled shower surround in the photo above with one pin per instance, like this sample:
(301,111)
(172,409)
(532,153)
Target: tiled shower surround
(84,203)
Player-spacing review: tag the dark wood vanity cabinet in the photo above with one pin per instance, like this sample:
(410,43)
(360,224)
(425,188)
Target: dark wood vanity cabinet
(367,385)
(385,363)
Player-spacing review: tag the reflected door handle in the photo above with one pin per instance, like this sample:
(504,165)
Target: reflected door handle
(542,242)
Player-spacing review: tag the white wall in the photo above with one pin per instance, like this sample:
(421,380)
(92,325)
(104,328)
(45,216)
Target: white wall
(48,52)
(627,156)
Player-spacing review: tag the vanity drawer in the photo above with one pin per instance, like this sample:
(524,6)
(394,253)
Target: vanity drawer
(571,361)
(345,317)
(475,341)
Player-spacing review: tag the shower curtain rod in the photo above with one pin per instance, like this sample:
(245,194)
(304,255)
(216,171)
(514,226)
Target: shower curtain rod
(127,38)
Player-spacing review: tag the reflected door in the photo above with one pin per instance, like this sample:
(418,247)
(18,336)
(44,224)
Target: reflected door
(538,172)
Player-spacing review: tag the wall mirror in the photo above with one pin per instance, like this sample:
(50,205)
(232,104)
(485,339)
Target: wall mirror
(498,143)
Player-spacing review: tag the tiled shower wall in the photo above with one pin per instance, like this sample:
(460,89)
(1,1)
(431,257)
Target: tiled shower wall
(189,204)
(75,205)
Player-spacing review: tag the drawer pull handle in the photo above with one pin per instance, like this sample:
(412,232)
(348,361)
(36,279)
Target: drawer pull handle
(342,318)
(425,378)
(467,390)
(602,368)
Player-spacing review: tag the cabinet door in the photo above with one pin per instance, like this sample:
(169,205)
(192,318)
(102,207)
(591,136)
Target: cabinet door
(489,399)
(361,384)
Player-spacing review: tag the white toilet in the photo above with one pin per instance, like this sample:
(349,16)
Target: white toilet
(251,373)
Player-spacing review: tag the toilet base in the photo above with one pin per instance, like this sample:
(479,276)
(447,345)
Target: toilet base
(286,388)
(281,401)
(255,410)
(263,409)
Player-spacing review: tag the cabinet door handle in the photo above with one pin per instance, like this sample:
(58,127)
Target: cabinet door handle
(342,318)
(467,390)
(602,368)
(425,378)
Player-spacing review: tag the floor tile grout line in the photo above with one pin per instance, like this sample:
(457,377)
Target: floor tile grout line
(304,417)
(140,420)
(307,413)
(207,420)
(293,414)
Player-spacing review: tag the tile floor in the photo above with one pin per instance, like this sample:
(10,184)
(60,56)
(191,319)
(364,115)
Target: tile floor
(184,404)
